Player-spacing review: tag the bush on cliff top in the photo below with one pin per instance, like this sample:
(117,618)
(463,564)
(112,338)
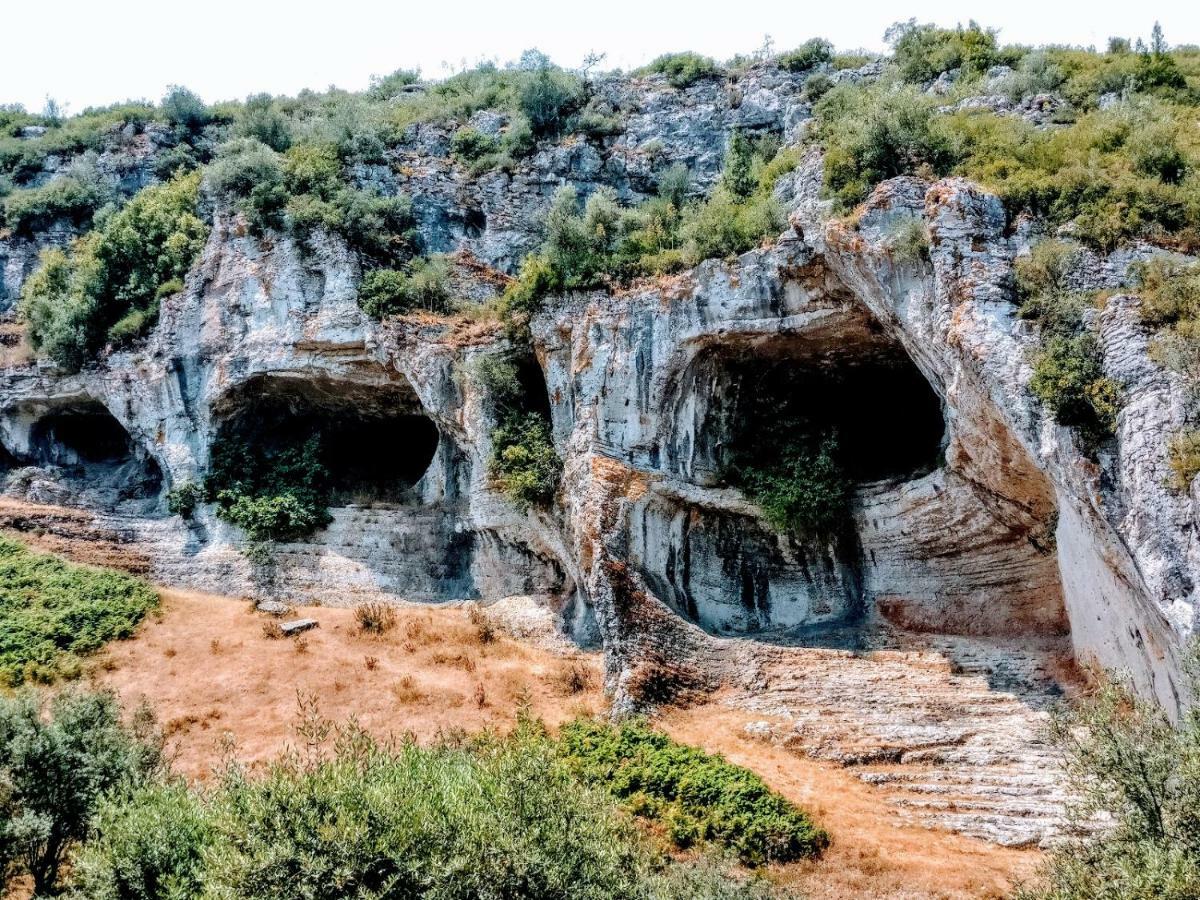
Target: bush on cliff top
(60,761)
(82,298)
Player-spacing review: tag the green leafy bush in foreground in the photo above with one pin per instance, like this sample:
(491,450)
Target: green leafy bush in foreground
(697,796)
(51,611)
(1127,761)
(56,765)
(494,817)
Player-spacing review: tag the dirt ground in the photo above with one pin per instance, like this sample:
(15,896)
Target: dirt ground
(216,680)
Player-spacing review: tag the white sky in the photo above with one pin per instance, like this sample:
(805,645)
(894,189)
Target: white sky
(92,52)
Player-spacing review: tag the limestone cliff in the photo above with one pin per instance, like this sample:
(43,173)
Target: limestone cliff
(975,514)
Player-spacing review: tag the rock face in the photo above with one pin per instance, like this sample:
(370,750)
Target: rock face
(976,517)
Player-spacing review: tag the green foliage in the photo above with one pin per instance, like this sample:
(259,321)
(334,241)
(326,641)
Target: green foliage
(1114,174)
(872,133)
(497,817)
(923,52)
(146,845)
(21,158)
(469,144)
(73,198)
(1069,379)
(56,769)
(696,796)
(183,109)
(304,190)
(183,499)
(52,612)
(1126,760)
(682,69)
(273,494)
(604,242)
(107,287)
(388,86)
(909,242)
(800,487)
(808,55)
(1183,455)
(425,284)
(261,119)
(524,463)
(546,96)
(1068,372)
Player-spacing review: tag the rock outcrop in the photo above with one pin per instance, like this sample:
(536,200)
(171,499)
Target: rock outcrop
(980,518)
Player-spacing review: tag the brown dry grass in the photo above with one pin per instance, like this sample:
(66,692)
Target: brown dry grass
(421,677)
(873,853)
(208,671)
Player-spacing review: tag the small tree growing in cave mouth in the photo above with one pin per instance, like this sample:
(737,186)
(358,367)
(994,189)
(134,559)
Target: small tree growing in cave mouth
(804,433)
(292,448)
(524,462)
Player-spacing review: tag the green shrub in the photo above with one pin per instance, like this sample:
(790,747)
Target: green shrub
(146,845)
(1068,377)
(107,287)
(55,771)
(808,55)
(696,796)
(1169,291)
(469,144)
(1125,760)
(496,817)
(873,133)
(273,494)
(547,96)
(51,612)
(909,242)
(923,52)
(388,86)
(390,292)
(1113,174)
(183,109)
(801,488)
(682,69)
(1183,454)
(73,198)
(1037,73)
(183,499)
(260,119)
(250,174)
(524,463)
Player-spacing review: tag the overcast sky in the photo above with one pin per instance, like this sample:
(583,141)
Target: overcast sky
(89,52)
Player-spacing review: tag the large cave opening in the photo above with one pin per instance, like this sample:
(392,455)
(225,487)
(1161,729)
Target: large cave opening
(850,393)
(373,439)
(85,440)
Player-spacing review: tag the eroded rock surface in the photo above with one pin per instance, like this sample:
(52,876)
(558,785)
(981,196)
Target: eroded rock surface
(966,574)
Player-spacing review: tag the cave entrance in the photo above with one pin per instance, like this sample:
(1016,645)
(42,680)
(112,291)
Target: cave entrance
(87,441)
(374,439)
(852,392)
